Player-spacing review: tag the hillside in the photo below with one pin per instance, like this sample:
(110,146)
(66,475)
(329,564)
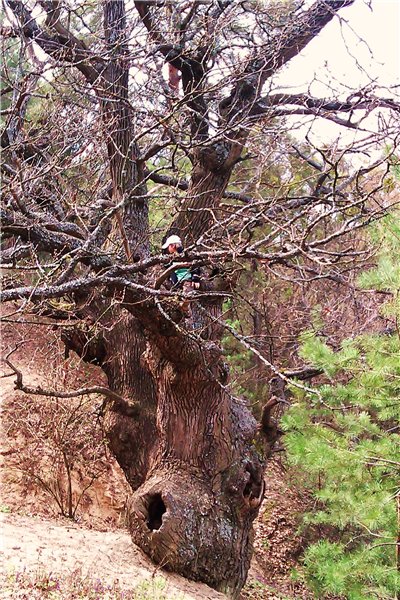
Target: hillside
(43,552)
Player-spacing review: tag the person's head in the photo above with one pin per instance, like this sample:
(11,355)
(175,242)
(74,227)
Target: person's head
(172,244)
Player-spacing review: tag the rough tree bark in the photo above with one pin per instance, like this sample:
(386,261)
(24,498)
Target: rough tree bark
(205,483)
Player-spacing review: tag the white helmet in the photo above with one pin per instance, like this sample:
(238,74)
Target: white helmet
(172,239)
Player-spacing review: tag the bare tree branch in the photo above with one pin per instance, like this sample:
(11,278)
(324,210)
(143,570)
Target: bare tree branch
(118,403)
(283,46)
(63,46)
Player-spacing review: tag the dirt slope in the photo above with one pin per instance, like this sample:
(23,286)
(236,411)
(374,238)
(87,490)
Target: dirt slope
(32,547)
(43,554)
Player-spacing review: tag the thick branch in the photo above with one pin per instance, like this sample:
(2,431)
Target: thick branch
(47,241)
(284,46)
(182,184)
(63,46)
(283,105)
(357,101)
(303,373)
(118,120)
(213,164)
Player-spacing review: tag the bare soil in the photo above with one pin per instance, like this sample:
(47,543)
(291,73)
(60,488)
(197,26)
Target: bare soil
(37,546)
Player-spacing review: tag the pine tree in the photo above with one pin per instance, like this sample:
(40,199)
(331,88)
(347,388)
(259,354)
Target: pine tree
(345,440)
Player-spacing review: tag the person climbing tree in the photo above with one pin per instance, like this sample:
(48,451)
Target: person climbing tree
(183,277)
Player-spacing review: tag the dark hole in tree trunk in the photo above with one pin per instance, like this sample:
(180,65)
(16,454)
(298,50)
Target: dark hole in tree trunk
(247,489)
(156,510)
(253,486)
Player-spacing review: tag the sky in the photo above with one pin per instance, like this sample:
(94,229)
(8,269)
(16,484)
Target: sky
(363,42)
(372,37)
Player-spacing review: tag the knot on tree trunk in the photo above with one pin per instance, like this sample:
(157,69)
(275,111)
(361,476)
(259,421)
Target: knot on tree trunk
(188,527)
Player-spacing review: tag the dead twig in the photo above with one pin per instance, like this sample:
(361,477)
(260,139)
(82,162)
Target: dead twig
(119,403)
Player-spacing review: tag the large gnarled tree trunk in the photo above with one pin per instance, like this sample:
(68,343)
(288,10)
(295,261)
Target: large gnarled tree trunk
(204,481)
(188,452)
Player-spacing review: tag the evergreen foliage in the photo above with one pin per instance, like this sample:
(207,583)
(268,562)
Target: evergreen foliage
(346,445)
